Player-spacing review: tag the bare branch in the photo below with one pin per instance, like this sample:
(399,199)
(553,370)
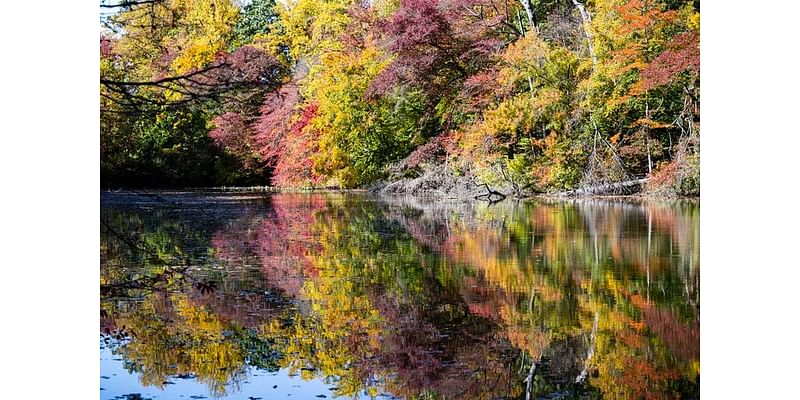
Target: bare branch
(130,3)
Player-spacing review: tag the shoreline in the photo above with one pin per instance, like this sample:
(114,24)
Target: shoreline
(428,196)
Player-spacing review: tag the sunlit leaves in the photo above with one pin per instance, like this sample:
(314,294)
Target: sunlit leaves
(682,54)
(310,28)
(336,92)
(207,28)
(359,136)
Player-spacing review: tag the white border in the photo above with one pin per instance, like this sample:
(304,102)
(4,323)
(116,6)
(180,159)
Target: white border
(49,205)
(49,145)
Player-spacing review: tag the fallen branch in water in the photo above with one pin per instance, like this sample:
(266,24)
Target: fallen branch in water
(488,195)
(610,188)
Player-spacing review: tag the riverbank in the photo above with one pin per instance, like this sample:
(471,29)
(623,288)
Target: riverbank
(439,181)
(474,193)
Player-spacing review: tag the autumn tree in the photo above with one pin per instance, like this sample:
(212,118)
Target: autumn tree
(531,96)
(165,72)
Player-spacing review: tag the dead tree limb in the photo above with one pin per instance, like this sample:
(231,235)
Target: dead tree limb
(130,3)
(605,168)
(491,195)
(609,188)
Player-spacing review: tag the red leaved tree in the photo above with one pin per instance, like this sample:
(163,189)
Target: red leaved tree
(438,44)
(682,55)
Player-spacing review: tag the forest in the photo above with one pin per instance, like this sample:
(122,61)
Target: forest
(523,97)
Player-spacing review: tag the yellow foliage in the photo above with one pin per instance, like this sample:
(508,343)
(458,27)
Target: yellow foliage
(312,27)
(522,59)
(208,28)
(650,123)
(191,343)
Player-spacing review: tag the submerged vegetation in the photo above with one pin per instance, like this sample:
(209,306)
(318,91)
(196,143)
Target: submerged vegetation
(523,96)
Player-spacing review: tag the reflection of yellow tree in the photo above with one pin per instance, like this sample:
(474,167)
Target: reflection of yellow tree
(569,278)
(378,319)
(339,330)
(171,336)
(632,363)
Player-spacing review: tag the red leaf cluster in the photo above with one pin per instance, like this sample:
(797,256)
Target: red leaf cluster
(278,138)
(272,127)
(682,54)
(434,151)
(480,90)
(283,139)
(438,44)
(247,66)
(250,64)
(295,165)
(232,133)
(106,46)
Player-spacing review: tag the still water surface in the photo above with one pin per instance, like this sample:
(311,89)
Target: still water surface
(306,296)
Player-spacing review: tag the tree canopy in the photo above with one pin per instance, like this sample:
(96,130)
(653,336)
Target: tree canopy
(533,96)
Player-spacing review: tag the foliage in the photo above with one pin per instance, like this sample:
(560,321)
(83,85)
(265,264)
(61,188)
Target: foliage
(682,54)
(256,19)
(338,92)
(165,75)
(295,166)
(358,136)
(169,147)
(208,26)
(232,133)
(681,176)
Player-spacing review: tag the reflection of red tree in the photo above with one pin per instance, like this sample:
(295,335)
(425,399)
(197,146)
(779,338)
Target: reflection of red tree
(442,349)
(484,299)
(281,241)
(409,344)
(641,378)
(681,339)
(481,297)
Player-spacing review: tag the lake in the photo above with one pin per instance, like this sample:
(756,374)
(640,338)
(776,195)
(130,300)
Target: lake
(266,296)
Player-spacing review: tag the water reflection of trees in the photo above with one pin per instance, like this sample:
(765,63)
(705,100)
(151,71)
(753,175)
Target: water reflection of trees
(170,307)
(618,282)
(433,300)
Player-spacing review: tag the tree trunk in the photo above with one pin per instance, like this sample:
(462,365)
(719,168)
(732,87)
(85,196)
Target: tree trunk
(526,4)
(593,338)
(587,21)
(529,381)
(647,141)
